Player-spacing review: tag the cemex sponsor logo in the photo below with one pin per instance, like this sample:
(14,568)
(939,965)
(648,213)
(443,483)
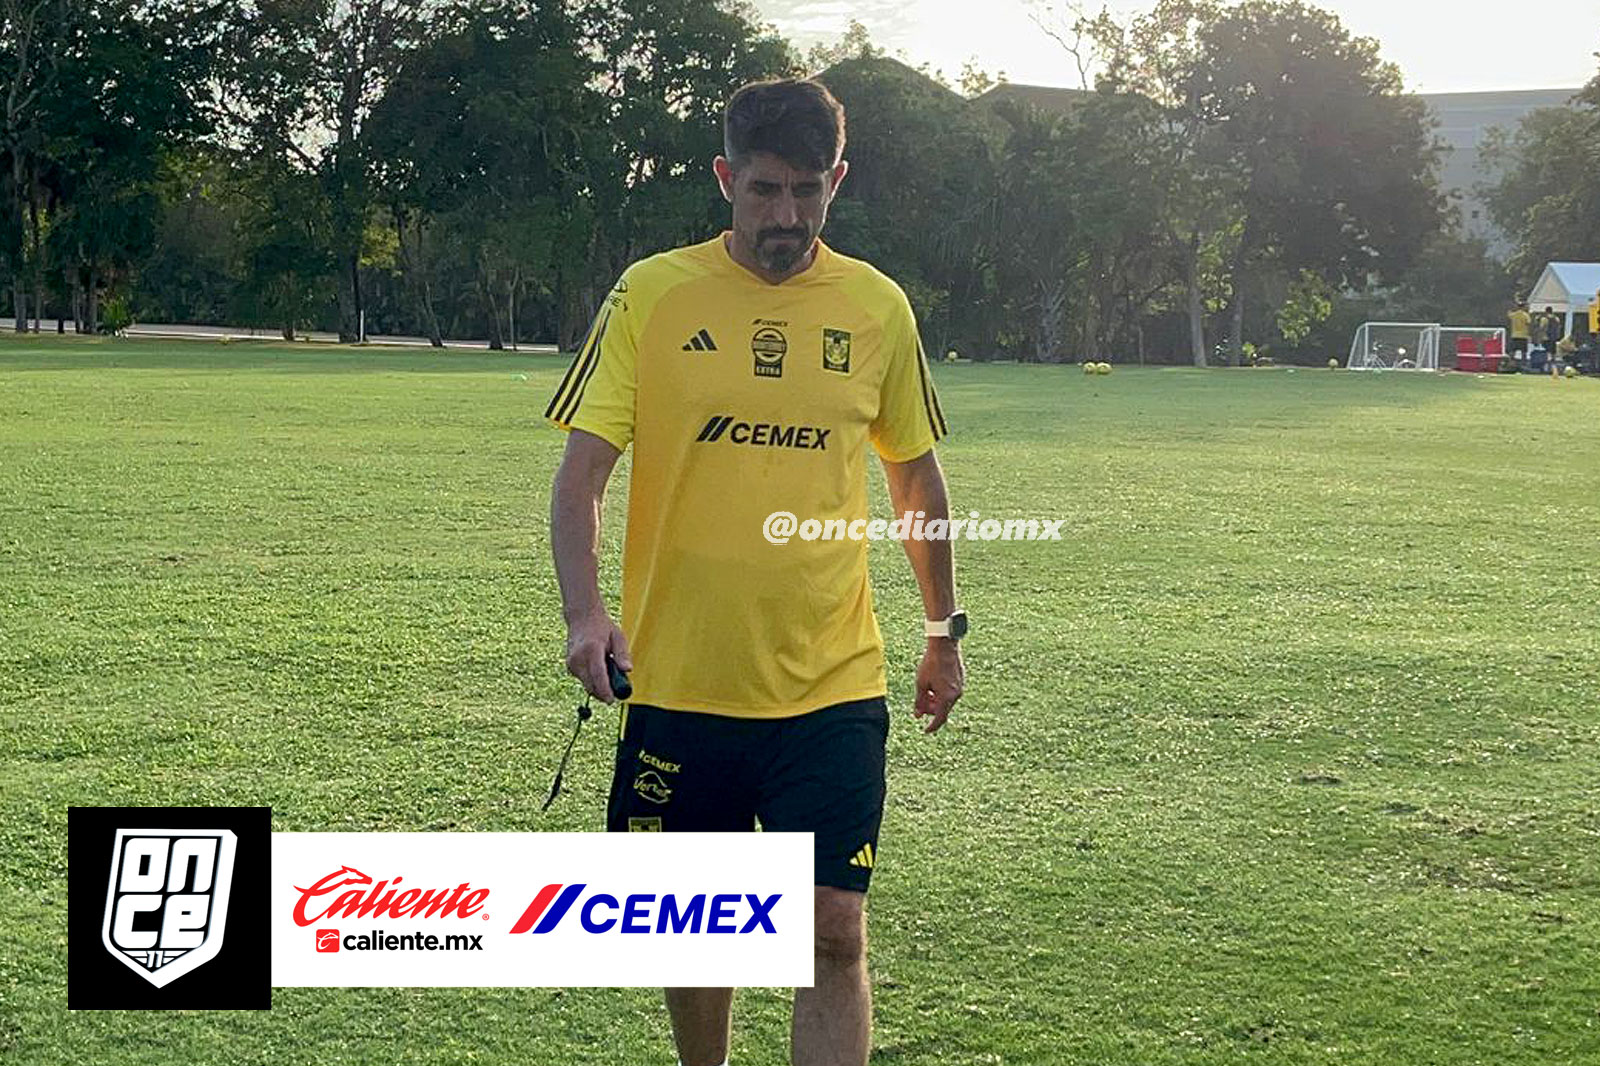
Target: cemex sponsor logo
(764,434)
(329,941)
(361,898)
(646,912)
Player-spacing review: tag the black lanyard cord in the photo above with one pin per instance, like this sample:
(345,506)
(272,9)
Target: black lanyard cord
(584,711)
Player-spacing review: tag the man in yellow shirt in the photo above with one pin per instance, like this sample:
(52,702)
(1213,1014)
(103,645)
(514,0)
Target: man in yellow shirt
(750,374)
(1521,324)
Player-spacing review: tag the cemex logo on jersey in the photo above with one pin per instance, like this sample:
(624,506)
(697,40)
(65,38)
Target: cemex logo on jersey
(174,889)
(645,912)
(363,899)
(764,434)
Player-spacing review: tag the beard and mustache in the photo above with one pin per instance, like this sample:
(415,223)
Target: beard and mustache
(778,250)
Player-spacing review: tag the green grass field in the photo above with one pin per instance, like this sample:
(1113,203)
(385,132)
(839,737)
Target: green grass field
(1289,754)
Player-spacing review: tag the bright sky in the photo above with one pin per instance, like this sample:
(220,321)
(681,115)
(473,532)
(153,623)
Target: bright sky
(1440,45)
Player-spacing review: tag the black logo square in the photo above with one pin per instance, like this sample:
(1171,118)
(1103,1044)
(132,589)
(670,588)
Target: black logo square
(167,908)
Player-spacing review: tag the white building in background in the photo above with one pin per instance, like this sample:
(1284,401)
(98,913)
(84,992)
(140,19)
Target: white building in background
(1464,123)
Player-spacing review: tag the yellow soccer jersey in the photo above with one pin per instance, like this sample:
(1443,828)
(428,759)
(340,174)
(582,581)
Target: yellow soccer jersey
(742,398)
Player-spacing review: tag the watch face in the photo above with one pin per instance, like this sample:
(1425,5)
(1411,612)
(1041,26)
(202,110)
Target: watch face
(958,625)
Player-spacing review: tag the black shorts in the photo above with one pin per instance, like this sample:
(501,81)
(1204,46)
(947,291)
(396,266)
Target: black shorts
(1519,346)
(822,773)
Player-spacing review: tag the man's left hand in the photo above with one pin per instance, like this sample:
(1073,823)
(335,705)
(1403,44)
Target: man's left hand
(940,680)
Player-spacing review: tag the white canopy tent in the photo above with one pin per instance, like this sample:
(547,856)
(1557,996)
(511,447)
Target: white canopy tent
(1567,288)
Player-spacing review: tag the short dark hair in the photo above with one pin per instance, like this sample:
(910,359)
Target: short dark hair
(795,119)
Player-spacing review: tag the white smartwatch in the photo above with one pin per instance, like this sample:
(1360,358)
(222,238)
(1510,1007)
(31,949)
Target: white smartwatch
(953,628)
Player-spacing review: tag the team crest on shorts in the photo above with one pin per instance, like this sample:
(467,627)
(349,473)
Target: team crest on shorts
(836,350)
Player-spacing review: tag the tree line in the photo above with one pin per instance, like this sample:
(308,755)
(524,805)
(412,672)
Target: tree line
(1238,175)
(1546,193)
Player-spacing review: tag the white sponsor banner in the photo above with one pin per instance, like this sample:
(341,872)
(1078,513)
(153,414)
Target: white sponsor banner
(542,909)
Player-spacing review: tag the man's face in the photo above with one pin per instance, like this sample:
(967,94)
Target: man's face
(777,210)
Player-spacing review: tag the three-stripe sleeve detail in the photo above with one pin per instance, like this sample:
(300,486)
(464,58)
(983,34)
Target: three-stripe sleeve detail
(930,399)
(564,404)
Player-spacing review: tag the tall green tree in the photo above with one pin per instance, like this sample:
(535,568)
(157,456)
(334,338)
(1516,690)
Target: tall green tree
(303,79)
(1157,58)
(916,199)
(1135,200)
(1548,194)
(34,37)
(92,97)
(1292,148)
(484,130)
(1038,239)
(1337,165)
(192,274)
(118,109)
(1076,229)
(668,69)
(286,261)
(855,43)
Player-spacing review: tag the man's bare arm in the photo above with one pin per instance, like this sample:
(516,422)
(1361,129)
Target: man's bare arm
(919,485)
(575,502)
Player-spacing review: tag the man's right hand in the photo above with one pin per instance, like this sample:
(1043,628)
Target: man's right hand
(588,640)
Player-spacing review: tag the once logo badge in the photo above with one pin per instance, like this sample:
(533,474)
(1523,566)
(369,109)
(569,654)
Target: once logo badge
(769,346)
(167,904)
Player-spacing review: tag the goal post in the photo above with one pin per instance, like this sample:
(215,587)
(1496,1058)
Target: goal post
(1395,346)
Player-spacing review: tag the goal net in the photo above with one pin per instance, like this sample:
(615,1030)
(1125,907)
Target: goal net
(1395,346)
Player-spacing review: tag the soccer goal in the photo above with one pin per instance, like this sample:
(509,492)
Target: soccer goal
(1395,346)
